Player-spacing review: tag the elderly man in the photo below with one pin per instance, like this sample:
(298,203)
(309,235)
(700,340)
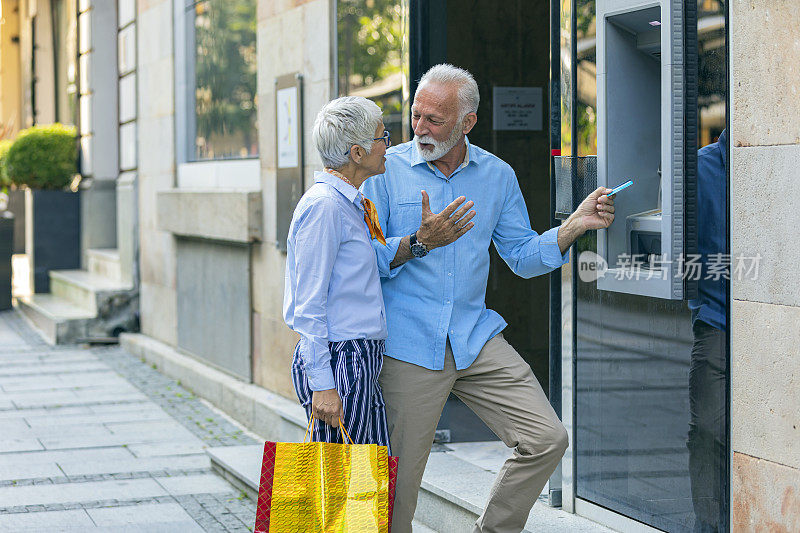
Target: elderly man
(442,338)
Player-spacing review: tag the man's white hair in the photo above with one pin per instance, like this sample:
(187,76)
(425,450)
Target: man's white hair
(340,124)
(468,95)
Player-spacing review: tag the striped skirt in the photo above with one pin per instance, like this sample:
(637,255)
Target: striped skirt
(356,365)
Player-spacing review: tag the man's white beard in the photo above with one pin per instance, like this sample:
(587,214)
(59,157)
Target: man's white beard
(439,147)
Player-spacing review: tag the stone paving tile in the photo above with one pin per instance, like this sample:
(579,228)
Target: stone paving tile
(45,369)
(22,470)
(33,383)
(139,514)
(168,448)
(125,444)
(64,385)
(49,431)
(12,426)
(201,484)
(80,492)
(144,427)
(53,411)
(135,464)
(75,398)
(56,456)
(19,445)
(87,441)
(169,527)
(47,519)
(121,417)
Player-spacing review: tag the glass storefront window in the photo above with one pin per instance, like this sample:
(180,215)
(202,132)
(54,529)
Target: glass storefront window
(65,45)
(650,404)
(372,57)
(222,55)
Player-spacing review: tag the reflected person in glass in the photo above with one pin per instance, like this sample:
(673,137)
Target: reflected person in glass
(332,294)
(708,369)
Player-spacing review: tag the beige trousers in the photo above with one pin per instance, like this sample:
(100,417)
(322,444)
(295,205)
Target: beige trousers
(501,389)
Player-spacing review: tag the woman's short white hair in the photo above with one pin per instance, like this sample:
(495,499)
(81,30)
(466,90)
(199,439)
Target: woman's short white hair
(468,95)
(342,123)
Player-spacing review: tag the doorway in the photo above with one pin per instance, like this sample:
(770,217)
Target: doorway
(504,45)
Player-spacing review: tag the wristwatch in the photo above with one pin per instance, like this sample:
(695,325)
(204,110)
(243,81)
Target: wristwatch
(417,248)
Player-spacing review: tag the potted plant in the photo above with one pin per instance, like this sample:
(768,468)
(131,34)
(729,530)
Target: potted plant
(43,159)
(6,232)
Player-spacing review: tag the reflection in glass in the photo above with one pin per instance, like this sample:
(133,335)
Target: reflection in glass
(650,417)
(65,45)
(586,128)
(224,79)
(565,82)
(373,57)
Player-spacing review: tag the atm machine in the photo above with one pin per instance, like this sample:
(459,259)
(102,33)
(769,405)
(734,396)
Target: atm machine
(644,133)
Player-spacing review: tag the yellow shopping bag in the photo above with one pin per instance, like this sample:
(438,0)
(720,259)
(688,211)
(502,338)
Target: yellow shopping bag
(323,487)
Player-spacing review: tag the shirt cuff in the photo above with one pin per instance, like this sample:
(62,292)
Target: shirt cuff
(321,378)
(386,255)
(551,253)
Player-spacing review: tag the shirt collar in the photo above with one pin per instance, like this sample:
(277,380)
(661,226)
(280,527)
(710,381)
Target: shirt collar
(723,146)
(347,190)
(469,155)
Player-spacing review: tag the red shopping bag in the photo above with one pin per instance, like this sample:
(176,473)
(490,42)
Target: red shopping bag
(281,512)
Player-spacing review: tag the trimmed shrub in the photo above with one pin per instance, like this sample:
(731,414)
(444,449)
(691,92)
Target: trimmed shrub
(4,146)
(43,157)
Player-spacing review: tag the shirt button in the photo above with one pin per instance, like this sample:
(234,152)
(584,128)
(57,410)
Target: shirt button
(447,302)
(452,332)
(449,273)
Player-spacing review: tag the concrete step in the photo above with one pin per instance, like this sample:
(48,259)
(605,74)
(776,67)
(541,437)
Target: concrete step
(452,495)
(104,262)
(58,320)
(86,289)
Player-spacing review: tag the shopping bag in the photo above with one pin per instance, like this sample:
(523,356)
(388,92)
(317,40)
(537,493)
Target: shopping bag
(325,487)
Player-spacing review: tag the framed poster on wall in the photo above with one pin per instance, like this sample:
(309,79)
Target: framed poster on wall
(289,151)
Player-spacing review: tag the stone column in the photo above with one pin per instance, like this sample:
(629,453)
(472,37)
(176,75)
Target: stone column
(156,166)
(127,191)
(97,45)
(765,312)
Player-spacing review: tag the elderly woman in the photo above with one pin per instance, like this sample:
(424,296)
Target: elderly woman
(332,295)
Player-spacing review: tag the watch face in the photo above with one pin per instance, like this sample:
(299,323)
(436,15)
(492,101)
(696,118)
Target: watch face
(419,250)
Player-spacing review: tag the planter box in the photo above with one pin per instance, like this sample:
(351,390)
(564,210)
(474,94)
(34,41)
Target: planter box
(16,205)
(6,249)
(54,218)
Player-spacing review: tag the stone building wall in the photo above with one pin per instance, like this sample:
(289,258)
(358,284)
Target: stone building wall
(292,37)
(156,140)
(765,312)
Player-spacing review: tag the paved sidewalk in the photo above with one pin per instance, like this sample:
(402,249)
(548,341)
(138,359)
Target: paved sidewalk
(96,440)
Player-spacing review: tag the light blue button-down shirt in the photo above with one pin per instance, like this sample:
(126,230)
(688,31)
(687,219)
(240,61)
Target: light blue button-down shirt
(332,290)
(443,294)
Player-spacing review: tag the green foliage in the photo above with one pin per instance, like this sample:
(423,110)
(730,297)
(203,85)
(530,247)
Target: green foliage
(4,146)
(43,157)
(225,70)
(370,41)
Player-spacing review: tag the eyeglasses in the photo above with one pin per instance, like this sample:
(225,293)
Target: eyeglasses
(386,137)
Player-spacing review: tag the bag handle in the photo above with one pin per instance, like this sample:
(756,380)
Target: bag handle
(341,428)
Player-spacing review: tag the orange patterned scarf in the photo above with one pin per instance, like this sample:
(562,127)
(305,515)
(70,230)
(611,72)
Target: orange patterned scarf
(370,213)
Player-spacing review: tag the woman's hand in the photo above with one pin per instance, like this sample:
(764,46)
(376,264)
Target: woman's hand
(326,405)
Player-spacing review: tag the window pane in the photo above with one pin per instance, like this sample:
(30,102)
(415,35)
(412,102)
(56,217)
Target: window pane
(224,79)
(651,374)
(65,44)
(373,57)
